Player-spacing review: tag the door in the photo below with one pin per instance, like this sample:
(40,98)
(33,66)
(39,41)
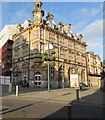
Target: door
(38,80)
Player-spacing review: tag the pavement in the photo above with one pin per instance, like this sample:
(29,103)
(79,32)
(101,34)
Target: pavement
(90,106)
(55,99)
(89,95)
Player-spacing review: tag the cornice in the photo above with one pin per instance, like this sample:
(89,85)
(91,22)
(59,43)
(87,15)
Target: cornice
(63,35)
(41,25)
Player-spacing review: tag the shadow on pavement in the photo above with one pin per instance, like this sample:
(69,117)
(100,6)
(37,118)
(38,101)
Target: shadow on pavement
(22,90)
(84,89)
(60,114)
(5,90)
(90,106)
(17,109)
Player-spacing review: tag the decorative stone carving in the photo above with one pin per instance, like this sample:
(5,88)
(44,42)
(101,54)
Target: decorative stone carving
(80,37)
(49,20)
(75,36)
(67,29)
(60,27)
(19,28)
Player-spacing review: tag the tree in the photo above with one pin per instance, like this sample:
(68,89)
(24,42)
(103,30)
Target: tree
(51,58)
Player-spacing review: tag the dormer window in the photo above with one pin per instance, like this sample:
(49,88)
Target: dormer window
(49,20)
(60,27)
(37,5)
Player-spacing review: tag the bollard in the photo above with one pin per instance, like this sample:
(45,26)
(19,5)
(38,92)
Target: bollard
(77,94)
(69,115)
(10,87)
(17,90)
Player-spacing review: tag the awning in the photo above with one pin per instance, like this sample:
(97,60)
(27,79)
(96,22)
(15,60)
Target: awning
(95,75)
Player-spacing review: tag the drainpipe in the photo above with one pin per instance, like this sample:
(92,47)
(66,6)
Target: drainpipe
(29,58)
(87,70)
(58,61)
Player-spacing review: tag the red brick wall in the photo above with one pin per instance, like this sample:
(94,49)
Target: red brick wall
(0,61)
(7,58)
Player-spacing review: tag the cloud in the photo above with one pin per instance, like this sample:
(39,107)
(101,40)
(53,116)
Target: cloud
(98,46)
(94,31)
(21,15)
(79,25)
(97,10)
(93,35)
(85,15)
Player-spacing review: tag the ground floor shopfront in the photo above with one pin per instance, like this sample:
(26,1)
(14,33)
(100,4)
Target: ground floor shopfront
(37,75)
(94,80)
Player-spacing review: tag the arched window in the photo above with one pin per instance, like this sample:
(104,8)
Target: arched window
(38,79)
(61,72)
(37,47)
(25,72)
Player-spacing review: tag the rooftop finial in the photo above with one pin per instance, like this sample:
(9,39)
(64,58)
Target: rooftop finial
(38,4)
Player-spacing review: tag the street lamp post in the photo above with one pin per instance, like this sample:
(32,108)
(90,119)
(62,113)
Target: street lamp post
(48,48)
(48,70)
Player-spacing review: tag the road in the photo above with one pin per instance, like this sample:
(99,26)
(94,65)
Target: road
(42,104)
(30,108)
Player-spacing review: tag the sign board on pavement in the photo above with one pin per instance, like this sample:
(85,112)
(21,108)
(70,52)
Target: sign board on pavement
(74,80)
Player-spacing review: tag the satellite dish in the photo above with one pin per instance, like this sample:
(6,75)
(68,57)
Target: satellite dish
(50,47)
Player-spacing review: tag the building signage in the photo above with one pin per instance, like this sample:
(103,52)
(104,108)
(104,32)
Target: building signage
(74,80)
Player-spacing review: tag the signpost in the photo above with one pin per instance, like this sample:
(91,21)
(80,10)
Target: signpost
(75,83)
(74,80)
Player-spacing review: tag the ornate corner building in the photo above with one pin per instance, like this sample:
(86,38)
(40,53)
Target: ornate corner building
(29,46)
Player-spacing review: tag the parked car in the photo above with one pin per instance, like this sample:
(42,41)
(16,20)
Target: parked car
(82,85)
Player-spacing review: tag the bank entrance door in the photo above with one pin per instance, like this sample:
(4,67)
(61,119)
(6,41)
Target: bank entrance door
(38,80)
